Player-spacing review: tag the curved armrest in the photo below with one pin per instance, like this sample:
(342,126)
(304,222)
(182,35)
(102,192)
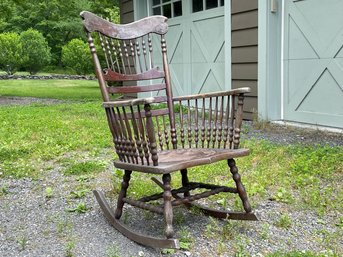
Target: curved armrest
(211,119)
(236,91)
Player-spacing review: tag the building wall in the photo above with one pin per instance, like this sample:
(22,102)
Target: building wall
(244,30)
(244,21)
(126,11)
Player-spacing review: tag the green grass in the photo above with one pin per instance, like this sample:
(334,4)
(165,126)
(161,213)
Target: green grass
(299,254)
(302,176)
(86,90)
(32,136)
(85,168)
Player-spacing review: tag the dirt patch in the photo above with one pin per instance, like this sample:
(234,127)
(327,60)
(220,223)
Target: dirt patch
(15,100)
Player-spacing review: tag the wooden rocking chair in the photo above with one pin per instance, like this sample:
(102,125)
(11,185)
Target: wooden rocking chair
(145,134)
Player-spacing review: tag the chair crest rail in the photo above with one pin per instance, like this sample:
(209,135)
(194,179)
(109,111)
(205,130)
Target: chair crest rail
(157,24)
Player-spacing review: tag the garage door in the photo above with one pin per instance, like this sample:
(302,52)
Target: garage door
(313,62)
(196,41)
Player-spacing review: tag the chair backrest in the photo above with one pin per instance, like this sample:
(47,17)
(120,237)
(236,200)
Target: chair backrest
(128,54)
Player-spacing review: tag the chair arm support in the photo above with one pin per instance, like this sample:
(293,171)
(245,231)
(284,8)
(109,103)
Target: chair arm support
(216,117)
(236,91)
(126,117)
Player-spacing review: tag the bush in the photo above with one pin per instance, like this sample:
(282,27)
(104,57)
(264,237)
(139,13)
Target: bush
(11,52)
(76,56)
(36,51)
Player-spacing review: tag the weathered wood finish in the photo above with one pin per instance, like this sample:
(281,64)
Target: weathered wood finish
(156,24)
(162,134)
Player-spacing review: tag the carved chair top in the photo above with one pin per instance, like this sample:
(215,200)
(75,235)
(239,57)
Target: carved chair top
(154,24)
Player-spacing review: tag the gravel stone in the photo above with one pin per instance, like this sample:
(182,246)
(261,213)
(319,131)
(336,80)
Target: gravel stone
(32,224)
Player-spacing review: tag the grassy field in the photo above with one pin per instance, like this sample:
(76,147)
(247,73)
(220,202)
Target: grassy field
(34,137)
(30,135)
(83,90)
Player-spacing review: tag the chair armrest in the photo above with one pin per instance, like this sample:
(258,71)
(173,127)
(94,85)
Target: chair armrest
(236,91)
(211,119)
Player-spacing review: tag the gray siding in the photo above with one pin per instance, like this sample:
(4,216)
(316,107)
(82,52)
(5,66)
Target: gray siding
(126,11)
(244,20)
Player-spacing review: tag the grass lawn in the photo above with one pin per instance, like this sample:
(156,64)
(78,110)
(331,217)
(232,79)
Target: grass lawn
(85,90)
(34,137)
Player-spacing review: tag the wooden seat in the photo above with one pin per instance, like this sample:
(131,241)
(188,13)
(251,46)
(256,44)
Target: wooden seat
(162,133)
(178,159)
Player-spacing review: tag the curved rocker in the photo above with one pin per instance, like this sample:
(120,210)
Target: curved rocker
(134,236)
(223,214)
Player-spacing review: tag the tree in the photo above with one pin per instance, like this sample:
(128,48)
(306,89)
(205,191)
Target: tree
(76,56)
(36,50)
(57,20)
(11,53)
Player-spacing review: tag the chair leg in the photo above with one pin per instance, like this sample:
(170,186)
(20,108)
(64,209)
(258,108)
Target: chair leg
(122,194)
(240,188)
(168,208)
(185,181)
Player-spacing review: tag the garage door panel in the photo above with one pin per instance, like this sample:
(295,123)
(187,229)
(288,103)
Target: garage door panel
(323,97)
(323,17)
(299,45)
(313,62)
(302,75)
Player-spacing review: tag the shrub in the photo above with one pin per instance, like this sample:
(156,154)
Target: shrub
(76,56)
(11,52)
(36,51)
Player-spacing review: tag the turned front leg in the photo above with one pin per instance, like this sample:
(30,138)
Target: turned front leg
(240,188)
(168,209)
(185,181)
(122,194)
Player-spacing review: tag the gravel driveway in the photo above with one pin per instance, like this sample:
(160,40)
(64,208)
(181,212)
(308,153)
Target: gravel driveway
(32,224)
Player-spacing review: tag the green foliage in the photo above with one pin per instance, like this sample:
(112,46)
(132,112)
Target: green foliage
(79,193)
(311,161)
(11,53)
(46,132)
(4,190)
(284,221)
(69,248)
(84,168)
(282,195)
(340,222)
(76,56)
(23,241)
(301,176)
(57,20)
(48,192)
(113,14)
(80,208)
(186,240)
(298,254)
(112,251)
(37,52)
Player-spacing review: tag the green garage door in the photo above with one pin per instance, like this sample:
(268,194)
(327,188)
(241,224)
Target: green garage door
(313,62)
(196,43)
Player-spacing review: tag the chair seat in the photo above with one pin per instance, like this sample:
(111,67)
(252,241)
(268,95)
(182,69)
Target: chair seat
(174,160)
